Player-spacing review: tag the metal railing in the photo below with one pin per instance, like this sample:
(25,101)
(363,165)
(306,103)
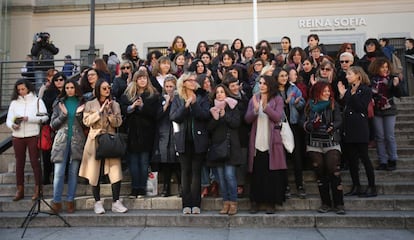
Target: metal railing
(11,71)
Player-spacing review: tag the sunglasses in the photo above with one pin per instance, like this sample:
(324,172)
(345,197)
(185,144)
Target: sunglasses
(125,67)
(106,88)
(326,69)
(344,61)
(59,80)
(69,87)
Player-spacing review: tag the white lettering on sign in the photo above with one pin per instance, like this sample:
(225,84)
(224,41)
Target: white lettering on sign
(328,22)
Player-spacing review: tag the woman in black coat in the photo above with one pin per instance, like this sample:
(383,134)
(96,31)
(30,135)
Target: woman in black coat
(190,115)
(164,146)
(140,105)
(224,126)
(355,129)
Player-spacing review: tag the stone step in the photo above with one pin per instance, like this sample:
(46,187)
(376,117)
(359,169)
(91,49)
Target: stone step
(383,188)
(312,202)
(405,125)
(404,116)
(404,173)
(173,218)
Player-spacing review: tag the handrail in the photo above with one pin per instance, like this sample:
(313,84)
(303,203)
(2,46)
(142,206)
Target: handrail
(7,143)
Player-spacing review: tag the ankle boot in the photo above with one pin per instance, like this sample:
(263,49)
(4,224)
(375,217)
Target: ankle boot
(233,208)
(70,207)
(36,193)
(370,192)
(56,207)
(225,208)
(19,193)
(166,190)
(356,190)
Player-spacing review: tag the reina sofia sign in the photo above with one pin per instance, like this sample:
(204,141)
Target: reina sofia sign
(332,22)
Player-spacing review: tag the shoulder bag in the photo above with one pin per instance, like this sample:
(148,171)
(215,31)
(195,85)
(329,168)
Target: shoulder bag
(286,133)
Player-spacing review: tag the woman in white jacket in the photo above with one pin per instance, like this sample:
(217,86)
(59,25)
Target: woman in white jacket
(24,120)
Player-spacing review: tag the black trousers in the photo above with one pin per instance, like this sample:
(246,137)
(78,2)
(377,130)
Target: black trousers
(191,176)
(353,152)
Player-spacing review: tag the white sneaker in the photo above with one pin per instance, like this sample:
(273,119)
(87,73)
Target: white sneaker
(186,210)
(99,209)
(195,210)
(118,207)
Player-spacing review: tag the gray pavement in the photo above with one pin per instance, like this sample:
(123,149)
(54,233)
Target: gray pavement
(170,233)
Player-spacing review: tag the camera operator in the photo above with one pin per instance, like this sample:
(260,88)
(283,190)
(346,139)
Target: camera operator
(42,51)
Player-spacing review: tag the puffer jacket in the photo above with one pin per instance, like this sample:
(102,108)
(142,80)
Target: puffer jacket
(59,122)
(26,106)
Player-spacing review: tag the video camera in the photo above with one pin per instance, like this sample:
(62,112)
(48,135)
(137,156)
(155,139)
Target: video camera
(42,35)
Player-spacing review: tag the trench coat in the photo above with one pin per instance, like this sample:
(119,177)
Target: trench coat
(99,123)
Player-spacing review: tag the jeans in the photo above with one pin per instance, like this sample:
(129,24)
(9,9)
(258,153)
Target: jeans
(228,182)
(59,178)
(385,138)
(138,166)
(208,175)
(40,77)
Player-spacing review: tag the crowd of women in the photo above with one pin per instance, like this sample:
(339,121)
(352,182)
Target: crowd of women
(178,109)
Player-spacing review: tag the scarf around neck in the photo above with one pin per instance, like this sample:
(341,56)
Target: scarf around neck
(320,106)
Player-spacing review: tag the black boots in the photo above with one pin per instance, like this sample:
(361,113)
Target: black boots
(392,165)
(370,192)
(166,192)
(355,191)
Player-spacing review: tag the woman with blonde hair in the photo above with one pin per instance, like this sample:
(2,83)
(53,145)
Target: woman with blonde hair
(355,127)
(140,104)
(190,113)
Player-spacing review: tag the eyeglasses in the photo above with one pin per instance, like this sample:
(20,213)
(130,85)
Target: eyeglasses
(258,64)
(59,79)
(190,80)
(344,61)
(91,74)
(326,69)
(106,88)
(125,67)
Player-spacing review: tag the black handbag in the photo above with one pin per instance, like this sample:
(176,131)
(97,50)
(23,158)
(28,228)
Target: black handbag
(110,146)
(219,151)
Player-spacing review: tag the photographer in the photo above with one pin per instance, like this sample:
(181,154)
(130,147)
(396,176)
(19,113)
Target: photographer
(42,51)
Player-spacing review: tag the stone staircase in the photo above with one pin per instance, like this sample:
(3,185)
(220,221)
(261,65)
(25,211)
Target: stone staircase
(393,208)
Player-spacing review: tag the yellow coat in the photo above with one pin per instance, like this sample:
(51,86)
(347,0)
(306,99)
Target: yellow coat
(99,123)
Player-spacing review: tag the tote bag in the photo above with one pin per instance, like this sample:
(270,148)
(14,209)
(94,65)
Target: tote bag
(286,133)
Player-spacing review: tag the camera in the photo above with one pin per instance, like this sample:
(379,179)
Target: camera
(42,35)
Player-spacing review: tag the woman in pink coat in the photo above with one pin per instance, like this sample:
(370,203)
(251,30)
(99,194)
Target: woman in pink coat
(267,162)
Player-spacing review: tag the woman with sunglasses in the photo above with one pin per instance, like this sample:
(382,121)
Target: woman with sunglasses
(121,81)
(102,115)
(190,113)
(49,97)
(68,144)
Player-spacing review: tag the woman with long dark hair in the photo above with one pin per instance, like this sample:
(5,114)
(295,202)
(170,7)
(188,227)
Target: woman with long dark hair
(267,161)
(102,115)
(68,143)
(24,120)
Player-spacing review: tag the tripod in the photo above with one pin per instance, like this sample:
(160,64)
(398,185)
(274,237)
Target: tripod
(35,209)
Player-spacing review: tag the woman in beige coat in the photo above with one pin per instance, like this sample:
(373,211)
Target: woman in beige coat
(102,115)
